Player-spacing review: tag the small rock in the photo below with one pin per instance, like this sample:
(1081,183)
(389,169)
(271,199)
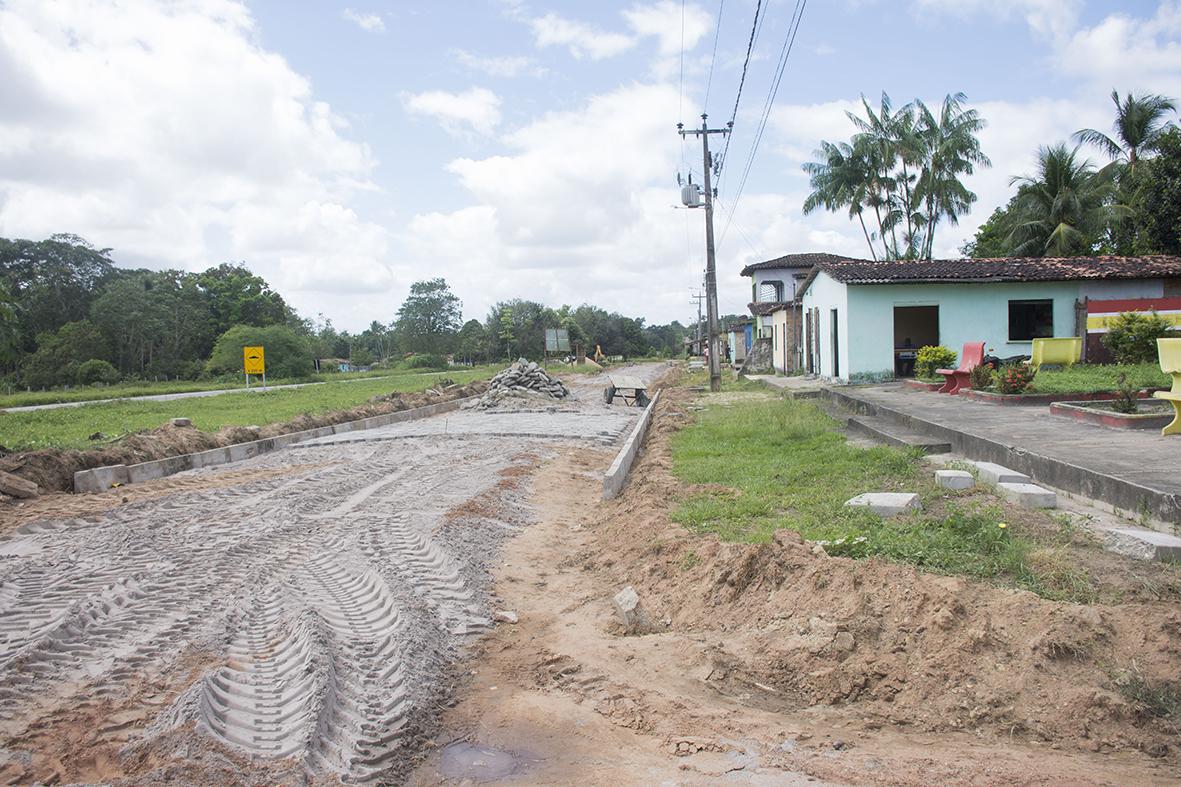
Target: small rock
(843,642)
(785,537)
(181,422)
(839,745)
(629,610)
(505,616)
(97,436)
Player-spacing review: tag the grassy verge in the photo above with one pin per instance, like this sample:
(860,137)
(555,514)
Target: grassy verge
(130,390)
(783,464)
(70,427)
(1088,378)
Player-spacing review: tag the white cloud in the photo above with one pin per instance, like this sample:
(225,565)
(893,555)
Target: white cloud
(663,20)
(582,40)
(370,23)
(503,66)
(108,130)
(477,109)
(565,227)
(1054,18)
(1129,52)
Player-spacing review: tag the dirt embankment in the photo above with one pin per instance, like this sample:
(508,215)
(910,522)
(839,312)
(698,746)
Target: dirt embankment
(53,469)
(787,665)
(890,643)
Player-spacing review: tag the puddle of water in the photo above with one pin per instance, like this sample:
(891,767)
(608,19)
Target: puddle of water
(464,761)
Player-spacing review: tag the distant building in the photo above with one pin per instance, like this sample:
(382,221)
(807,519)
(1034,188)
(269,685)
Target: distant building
(861,318)
(775,305)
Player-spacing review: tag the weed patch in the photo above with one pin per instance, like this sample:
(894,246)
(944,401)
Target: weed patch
(795,471)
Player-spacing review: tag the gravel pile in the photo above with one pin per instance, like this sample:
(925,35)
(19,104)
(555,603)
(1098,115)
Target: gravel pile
(523,378)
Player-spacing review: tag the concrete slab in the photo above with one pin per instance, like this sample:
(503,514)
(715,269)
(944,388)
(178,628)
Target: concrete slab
(1028,495)
(954,479)
(991,473)
(1143,544)
(1130,470)
(100,479)
(887,504)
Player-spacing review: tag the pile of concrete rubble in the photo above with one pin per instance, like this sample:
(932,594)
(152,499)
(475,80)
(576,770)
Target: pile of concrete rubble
(524,378)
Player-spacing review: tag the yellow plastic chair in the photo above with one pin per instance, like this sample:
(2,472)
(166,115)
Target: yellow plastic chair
(1065,352)
(1169,351)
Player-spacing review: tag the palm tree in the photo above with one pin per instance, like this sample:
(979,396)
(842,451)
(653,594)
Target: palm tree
(1139,122)
(1064,208)
(839,180)
(879,143)
(949,148)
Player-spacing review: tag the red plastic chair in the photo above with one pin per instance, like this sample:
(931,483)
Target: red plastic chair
(960,377)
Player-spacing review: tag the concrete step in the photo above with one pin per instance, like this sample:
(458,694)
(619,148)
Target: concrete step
(1141,543)
(891,432)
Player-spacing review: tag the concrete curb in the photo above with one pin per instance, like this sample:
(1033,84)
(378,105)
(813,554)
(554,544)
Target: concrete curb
(1122,495)
(102,478)
(616,475)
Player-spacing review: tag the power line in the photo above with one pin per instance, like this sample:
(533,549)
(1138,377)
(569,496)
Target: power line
(681,88)
(754,28)
(793,28)
(712,58)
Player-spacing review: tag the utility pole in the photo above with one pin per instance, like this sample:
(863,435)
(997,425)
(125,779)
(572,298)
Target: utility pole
(711,276)
(698,298)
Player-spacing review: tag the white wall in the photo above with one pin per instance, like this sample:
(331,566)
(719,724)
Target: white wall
(826,294)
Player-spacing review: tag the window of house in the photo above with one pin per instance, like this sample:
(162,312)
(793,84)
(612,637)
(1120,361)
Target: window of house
(771,292)
(1030,320)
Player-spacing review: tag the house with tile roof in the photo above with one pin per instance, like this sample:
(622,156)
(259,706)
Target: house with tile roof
(863,320)
(775,307)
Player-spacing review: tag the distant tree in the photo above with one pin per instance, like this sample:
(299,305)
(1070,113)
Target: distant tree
(471,343)
(55,281)
(60,353)
(991,238)
(429,318)
(1064,209)
(506,330)
(10,327)
(288,352)
(238,297)
(1139,124)
(361,355)
(1158,198)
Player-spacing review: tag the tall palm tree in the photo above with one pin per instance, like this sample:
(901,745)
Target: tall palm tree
(1139,122)
(950,149)
(879,144)
(1063,209)
(839,180)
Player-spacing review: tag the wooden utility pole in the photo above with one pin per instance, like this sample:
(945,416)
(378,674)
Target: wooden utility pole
(698,298)
(711,276)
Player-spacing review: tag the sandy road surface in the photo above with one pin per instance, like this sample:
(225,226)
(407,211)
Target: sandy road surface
(302,622)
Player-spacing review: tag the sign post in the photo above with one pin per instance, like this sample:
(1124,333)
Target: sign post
(254,362)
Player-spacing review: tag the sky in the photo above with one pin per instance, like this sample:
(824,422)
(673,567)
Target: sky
(343,150)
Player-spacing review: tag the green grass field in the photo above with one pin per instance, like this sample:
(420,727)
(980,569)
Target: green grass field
(791,468)
(126,390)
(70,427)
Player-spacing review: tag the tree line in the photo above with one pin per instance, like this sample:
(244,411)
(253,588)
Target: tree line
(900,176)
(1071,206)
(69,315)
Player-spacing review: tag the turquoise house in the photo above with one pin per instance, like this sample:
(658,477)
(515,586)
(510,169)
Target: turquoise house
(864,319)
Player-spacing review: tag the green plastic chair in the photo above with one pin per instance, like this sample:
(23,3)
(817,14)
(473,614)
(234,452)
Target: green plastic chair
(1169,351)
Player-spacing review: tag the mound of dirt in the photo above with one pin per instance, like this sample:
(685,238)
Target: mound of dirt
(53,469)
(797,628)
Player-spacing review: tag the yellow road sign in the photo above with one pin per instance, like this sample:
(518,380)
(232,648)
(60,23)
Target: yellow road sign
(254,360)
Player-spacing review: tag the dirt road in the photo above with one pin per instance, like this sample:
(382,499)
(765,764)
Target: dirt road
(299,614)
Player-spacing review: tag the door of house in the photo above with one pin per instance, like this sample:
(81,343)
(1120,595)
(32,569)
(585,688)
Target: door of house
(808,341)
(836,345)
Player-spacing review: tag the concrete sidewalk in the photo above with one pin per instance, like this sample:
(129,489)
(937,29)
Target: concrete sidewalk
(1133,470)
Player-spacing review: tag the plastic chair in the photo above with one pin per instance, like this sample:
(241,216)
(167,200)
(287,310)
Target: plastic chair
(1169,352)
(959,378)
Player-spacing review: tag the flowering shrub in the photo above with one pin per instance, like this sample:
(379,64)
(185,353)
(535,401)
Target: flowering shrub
(981,377)
(1014,378)
(933,357)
